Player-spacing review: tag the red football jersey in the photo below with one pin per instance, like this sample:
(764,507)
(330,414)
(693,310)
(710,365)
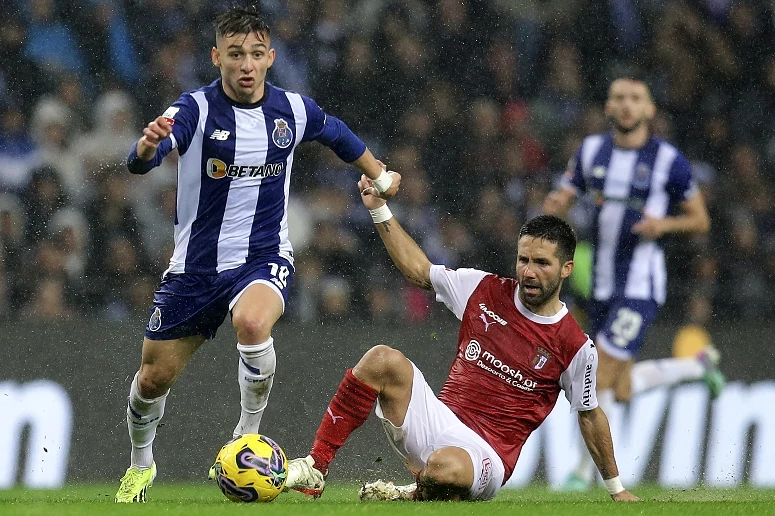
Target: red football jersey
(510,363)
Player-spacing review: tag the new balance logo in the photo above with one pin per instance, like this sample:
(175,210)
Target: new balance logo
(220,135)
(331,413)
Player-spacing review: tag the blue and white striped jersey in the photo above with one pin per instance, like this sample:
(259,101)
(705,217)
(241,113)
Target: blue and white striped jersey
(625,184)
(234,172)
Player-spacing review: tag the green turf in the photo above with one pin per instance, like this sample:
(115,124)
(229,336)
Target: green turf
(205,499)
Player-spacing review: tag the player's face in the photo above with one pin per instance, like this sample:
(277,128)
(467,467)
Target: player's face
(539,272)
(629,105)
(243,60)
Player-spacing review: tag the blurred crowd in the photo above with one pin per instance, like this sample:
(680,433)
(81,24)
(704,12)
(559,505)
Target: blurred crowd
(479,104)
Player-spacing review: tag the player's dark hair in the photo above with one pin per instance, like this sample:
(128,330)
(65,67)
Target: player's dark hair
(428,489)
(554,230)
(239,20)
(631,74)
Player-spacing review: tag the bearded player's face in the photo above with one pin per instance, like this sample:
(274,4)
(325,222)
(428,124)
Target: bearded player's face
(539,272)
(629,105)
(243,60)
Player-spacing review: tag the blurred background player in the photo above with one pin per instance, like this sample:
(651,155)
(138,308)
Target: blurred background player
(236,138)
(464,444)
(642,188)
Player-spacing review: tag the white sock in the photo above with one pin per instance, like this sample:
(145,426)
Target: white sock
(585,469)
(665,372)
(256,374)
(142,418)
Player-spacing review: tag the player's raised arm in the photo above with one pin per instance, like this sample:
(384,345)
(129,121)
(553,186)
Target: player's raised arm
(403,250)
(335,134)
(386,183)
(693,219)
(597,436)
(151,148)
(153,134)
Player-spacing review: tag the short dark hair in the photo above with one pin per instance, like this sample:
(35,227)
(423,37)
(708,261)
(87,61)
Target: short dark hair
(428,489)
(556,231)
(239,20)
(631,74)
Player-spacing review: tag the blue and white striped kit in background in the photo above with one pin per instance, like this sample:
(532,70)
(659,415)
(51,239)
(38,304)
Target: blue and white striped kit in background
(629,275)
(624,185)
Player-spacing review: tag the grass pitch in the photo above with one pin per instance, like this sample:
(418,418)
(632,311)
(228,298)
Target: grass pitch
(205,499)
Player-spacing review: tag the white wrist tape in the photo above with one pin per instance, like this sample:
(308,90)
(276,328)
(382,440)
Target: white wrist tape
(381,214)
(383,182)
(614,485)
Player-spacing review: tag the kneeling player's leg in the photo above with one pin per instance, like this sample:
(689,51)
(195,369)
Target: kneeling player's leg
(162,363)
(383,372)
(448,475)
(254,314)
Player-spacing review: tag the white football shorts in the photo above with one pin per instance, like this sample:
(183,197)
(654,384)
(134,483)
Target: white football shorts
(429,426)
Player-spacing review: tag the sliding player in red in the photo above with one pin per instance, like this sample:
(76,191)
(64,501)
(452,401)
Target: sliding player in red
(518,347)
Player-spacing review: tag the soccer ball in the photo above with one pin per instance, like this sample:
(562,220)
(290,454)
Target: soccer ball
(251,468)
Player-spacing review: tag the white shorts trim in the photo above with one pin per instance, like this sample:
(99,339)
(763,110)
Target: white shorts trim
(429,426)
(263,282)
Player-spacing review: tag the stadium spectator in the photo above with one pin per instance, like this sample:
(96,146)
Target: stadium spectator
(13,224)
(112,133)
(102,33)
(49,296)
(69,227)
(357,94)
(71,92)
(42,198)
(22,81)
(18,152)
(54,133)
(48,302)
(50,41)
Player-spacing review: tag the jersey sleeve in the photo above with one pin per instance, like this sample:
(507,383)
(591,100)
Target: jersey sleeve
(454,287)
(573,178)
(185,115)
(681,185)
(331,132)
(579,380)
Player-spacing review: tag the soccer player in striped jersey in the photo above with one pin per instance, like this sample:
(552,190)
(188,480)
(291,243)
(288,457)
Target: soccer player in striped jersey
(236,139)
(642,188)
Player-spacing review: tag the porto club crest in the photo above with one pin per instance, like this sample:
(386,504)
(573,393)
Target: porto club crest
(282,136)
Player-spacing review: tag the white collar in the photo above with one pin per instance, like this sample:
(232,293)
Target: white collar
(540,319)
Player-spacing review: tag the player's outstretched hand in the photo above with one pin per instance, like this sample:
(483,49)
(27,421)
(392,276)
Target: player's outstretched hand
(649,227)
(369,195)
(393,190)
(153,134)
(625,496)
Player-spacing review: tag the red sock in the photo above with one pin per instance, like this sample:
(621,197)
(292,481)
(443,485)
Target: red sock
(349,409)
